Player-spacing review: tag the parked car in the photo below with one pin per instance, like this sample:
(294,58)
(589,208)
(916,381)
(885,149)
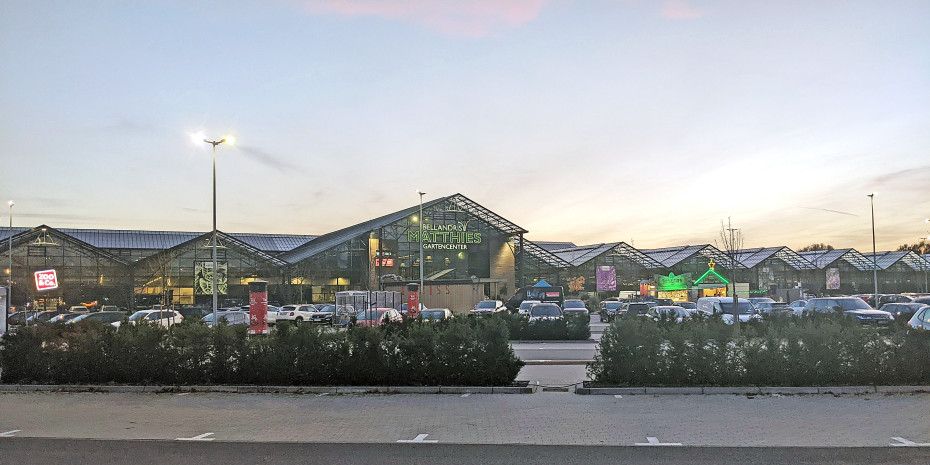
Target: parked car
(923,300)
(674,312)
(574,307)
(686,305)
(798,306)
(436,314)
(378,316)
(610,309)
(850,306)
(892,299)
(64,317)
(231,317)
(902,311)
(78,309)
(920,322)
(193,313)
(323,314)
(779,308)
(525,307)
(113,318)
(295,313)
(43,317)
(545,312)
(487,307)
(636,308)
(724,308)
(161,317)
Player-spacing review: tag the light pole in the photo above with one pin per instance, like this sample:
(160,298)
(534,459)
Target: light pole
(9,289)
(420,220)
(214,143)
(874,253)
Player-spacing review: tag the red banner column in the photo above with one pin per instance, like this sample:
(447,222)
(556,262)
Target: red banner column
(258,307)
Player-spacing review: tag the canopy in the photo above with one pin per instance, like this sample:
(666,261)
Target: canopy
(542,283)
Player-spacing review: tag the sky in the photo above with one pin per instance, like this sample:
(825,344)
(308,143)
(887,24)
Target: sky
(643,121)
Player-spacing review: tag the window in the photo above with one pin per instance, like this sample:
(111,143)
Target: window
(926,317)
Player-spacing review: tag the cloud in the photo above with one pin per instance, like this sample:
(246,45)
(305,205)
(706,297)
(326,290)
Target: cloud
(472,18)
(679,9)
(269,160)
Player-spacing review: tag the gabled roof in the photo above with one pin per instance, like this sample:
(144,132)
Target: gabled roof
(824,258)
(550,245)
(458,201)
(752,257)
(544,255)
(886,260)
(26,235)
(273,243)
(671,256)
(224,240)
(579,255)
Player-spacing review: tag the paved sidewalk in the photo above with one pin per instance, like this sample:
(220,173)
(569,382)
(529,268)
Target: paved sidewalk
(542,418)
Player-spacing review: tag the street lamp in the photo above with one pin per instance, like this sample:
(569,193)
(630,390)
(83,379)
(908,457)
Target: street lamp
(9,289)
(874,253)
(420,220)
(230,140)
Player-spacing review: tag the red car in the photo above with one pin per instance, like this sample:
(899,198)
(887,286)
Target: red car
(377,316)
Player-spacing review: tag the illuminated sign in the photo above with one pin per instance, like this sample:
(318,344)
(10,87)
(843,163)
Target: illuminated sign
(385,262)
(445,236)
(673,282)
(46,280)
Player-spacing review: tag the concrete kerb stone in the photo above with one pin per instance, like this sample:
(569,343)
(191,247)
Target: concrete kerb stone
(513,389)
(737,390)
(611,391)
(788,390)
(465,390)
(902,389)
(847,390)
(675,390)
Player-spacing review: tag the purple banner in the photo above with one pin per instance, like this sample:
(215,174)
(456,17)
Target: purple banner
(606,278)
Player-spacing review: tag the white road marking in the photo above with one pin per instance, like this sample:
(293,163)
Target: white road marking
(466,394)
(419,438)
(199,437)
(9,434)
(901,443)
(618,396)
(655,442)
(183,394)
(322,394)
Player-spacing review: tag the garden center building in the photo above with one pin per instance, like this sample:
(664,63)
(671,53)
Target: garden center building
(469,253)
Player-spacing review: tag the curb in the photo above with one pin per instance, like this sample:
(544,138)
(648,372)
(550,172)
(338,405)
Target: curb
(528,389)
(556,362)
(752,390)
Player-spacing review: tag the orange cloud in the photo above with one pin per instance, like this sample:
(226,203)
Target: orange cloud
(474,18)
(680,9)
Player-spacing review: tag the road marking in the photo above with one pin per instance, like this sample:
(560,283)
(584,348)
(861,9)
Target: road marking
(901,443)
(322,394)
(183,394)
(466,394)
(199,437)
(655,442)
(419,438)
(618,396)
(9,434)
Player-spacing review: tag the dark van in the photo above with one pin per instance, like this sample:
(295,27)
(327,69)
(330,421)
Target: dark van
(546,294)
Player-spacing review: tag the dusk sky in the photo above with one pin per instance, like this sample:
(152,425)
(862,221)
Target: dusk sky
(644,121)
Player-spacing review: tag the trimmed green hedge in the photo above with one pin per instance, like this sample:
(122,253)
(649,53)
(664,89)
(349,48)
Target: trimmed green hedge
(571,328)
(824,350)
(455,352)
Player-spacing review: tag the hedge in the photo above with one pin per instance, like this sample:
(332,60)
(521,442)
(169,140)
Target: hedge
(824,350)
(413,353)
(570,328)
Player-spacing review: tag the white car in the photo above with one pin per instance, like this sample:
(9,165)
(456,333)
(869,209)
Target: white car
(487,307)
(295,313)
(525,306)
(164,318)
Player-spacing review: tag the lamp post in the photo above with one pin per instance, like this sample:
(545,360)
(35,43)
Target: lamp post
(874,253)
(9,289)
(420,220)
(214,143)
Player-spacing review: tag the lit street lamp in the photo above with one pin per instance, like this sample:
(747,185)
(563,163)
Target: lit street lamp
(420,220)
(230,140)
(874,253)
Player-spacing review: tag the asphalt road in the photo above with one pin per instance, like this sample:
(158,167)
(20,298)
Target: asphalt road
(128,452)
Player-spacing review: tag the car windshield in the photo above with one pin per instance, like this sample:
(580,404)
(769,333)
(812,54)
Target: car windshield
(487,304)
(81,317)
(369,315)
(744,308)
(138,316)
(328,309)
(545,310)
(574,304)
(765,305)
(527,304)
(853,304)
(221,316)
(433,314)
(613,305)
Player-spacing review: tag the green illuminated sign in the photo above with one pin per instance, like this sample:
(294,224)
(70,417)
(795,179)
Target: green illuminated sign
(711,271)
(673,282)
(445,236)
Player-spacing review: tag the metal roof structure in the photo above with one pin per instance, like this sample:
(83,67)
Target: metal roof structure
(550,245)
(580,255)
(273,243)
(671,256)
(824,258)
(544,255)
(455,203)
(224,240)
(32,234)
(752,257)
(886,260)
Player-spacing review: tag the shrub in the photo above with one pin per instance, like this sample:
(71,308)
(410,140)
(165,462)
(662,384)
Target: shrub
(520,328)
(824,350)
(455,352)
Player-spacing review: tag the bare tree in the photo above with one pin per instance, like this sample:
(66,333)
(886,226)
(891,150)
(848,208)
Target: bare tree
(732,240)
(922,247)
(816,247)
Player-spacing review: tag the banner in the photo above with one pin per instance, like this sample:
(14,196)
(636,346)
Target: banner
(258,307)
(606,278)
(203,278)
(833,278)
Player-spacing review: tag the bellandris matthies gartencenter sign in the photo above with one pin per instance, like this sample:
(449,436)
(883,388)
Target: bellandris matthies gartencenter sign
(46,280)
